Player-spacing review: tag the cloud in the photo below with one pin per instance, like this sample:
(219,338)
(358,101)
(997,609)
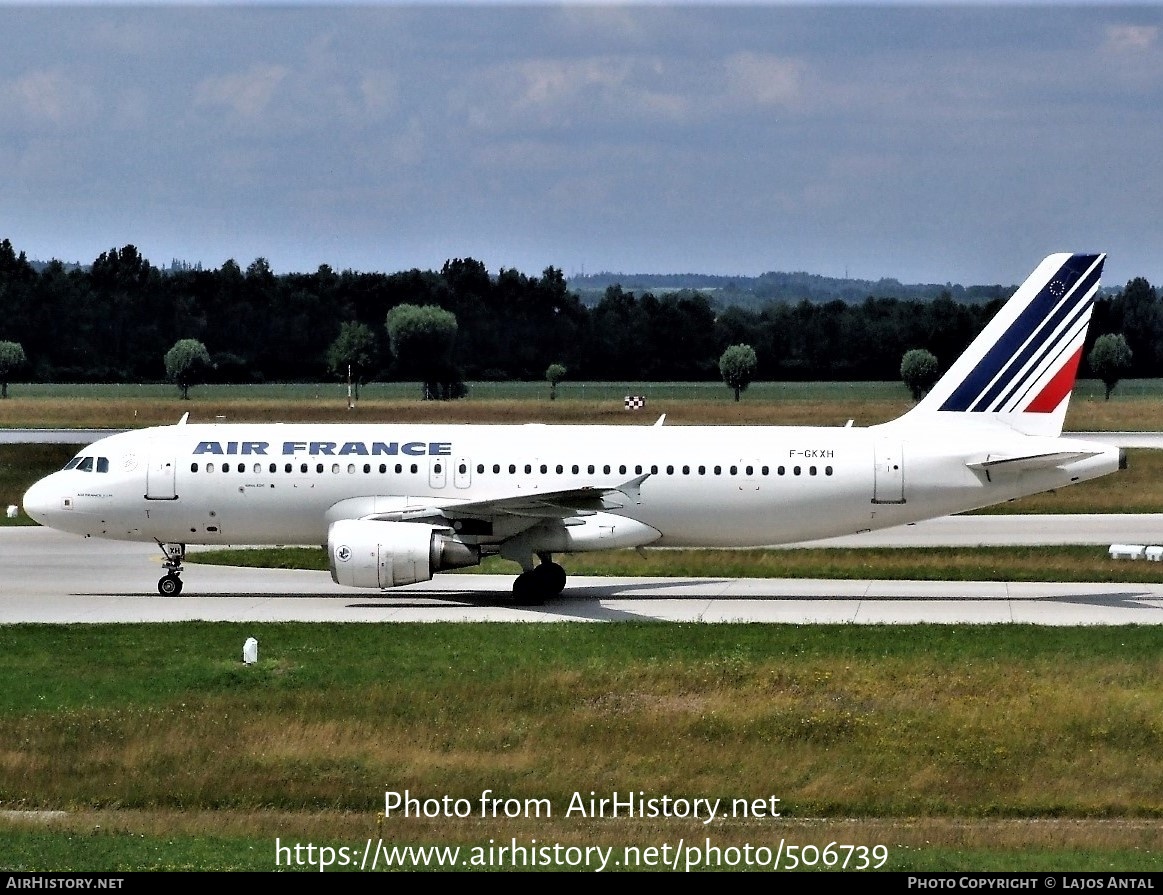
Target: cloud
(247,93)
(48,96)
(1123,39)
(594,93)
(765,79)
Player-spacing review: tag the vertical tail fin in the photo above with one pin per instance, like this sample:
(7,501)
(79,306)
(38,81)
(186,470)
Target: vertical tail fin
(1021,368)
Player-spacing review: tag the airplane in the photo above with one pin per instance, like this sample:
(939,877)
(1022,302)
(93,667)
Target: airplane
(395,504)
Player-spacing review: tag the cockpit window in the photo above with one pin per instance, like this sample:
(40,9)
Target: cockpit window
(88,464)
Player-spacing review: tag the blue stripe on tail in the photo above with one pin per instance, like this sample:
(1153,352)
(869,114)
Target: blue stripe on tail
(1035,325)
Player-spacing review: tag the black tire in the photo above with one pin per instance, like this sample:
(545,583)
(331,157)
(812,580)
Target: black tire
(528,590)
(553,578)
(169,586)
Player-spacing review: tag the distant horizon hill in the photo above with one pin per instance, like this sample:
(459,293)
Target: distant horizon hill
(780,287)
(749,292)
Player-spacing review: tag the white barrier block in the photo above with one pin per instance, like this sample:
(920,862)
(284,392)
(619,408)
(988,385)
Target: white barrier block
(1127,551)
(1155,554)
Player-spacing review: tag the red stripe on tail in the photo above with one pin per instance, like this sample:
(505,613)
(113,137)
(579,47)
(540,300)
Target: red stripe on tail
(1057,388)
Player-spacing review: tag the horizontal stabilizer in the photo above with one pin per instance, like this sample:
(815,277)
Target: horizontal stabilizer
(1006,462)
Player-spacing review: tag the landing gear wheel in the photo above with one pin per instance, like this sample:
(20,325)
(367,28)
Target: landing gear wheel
(527,590)
(552,577)
(170,584)
(534,587)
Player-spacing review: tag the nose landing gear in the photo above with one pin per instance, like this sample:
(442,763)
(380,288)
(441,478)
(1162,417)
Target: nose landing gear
(170,585)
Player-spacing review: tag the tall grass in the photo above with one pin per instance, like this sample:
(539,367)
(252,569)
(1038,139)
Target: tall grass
(1135,405)
(839,722)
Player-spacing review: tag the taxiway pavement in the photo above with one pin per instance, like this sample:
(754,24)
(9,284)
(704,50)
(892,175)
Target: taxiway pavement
(49,577)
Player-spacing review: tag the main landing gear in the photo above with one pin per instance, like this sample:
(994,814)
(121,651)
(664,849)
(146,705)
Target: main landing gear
(538,584)
(170,585)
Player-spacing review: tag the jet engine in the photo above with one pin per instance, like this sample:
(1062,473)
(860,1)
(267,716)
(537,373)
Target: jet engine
(367,553)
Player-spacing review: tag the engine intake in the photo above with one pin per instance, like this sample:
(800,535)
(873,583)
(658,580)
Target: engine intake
(367,553)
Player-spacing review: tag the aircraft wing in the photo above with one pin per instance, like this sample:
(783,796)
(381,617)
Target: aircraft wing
(532,505)
(556,504)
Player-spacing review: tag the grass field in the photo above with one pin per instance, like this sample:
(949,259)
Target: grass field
(911,563)
(942,743)
(1138,404)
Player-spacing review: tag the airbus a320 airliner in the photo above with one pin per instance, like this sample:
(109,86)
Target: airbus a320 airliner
(395,504)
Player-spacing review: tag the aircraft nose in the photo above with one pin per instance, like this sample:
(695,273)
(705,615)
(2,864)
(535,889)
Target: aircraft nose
(42,500)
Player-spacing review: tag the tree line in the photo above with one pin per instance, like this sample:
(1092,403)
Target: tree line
(115,320)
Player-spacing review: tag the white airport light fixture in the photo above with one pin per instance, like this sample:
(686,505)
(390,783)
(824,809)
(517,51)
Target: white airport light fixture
(250,651)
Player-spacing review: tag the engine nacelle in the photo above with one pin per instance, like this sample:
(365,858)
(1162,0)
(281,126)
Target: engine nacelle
(367,553)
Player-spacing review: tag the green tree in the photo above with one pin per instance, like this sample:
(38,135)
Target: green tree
(920,371)
(354,347)
(11,359)
(737,366)
(186,364)
(553,375)
(423,339)
(1109,359)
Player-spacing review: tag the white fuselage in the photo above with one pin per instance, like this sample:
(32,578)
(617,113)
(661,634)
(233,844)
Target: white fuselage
(708,486)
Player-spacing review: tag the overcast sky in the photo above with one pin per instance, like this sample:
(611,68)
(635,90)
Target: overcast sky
(929,143)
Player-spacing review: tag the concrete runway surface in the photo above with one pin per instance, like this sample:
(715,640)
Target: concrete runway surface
(50,577)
